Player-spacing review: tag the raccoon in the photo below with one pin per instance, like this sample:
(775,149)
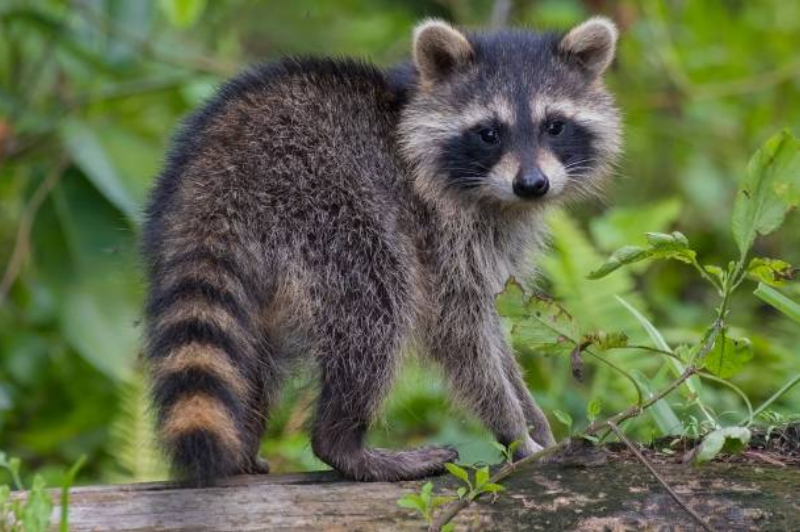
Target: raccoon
(323,209)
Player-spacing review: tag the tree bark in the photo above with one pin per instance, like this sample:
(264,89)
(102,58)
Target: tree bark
(618,495)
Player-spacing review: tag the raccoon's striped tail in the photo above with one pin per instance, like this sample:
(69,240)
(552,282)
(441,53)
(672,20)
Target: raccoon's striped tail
(202,356)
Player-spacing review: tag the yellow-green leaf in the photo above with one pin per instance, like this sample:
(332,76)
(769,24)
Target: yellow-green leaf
(770,189)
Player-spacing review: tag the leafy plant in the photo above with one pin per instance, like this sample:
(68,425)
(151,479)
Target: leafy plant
(770,190)
(33,512)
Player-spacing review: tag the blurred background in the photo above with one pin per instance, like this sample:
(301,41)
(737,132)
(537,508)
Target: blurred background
(91,90)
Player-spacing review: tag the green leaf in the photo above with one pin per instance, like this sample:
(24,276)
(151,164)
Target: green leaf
(773,297)
(425,493)
(511,301)
(693,384)
(618,259)
(458,472)
(728,356)
(773,272)
(182,13)
(481,476)
(86,150)
(98,321)
(513,446)
(491,487)
(661,412)
(441,500)
(729,440)
(563,417)
(770,189)
(594,408)
(449,527)
(661,246)
(66,484)
(38,507)
(461,492)
(413,501)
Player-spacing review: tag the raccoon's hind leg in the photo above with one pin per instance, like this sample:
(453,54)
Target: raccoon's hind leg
(358,354)
(208,366)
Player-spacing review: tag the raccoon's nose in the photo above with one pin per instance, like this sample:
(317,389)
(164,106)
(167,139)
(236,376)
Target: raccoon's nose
(531,184)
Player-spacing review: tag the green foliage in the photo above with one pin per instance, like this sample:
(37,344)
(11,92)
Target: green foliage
(90,93)
(425,502)
(33,513)
(771,188)
(729,440)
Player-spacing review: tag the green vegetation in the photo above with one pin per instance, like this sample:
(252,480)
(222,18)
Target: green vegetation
(91,90)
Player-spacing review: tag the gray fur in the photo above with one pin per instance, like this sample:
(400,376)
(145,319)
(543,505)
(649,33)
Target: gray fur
(307,198)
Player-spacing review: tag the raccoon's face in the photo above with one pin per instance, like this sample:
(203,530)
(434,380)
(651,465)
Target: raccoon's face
(512,117)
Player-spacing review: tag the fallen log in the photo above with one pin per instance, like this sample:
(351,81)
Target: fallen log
(615,495)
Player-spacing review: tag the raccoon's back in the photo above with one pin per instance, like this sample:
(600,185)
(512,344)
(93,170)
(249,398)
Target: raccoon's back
(284,134)
(292,162)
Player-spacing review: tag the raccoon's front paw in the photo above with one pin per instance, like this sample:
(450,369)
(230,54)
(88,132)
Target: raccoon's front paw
(259,466)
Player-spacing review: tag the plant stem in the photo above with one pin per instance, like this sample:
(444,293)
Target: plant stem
(453,508)
(660,479)
(783,389)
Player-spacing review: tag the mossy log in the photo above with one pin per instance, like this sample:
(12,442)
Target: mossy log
(615,495)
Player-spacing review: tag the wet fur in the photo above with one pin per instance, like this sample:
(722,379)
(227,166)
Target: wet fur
(299,216)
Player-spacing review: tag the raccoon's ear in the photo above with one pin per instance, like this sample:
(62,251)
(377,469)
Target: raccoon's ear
(591,45)
(439,50)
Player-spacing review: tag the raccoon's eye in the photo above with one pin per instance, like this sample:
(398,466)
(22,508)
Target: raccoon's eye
(489,135)
(554,128)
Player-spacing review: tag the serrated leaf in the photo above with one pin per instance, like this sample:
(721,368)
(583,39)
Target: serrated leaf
(728,356)
(770,189)
(773,272)
(458,472)
(730,440)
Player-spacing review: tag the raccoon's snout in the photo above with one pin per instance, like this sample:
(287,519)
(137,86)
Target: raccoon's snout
(531,184)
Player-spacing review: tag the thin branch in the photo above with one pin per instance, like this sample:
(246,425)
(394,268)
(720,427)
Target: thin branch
(22,242)
(455,507)
(655,473)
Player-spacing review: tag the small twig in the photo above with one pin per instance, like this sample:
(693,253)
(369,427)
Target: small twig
(455,507)
(764,458)
(22,242)
(660,479)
